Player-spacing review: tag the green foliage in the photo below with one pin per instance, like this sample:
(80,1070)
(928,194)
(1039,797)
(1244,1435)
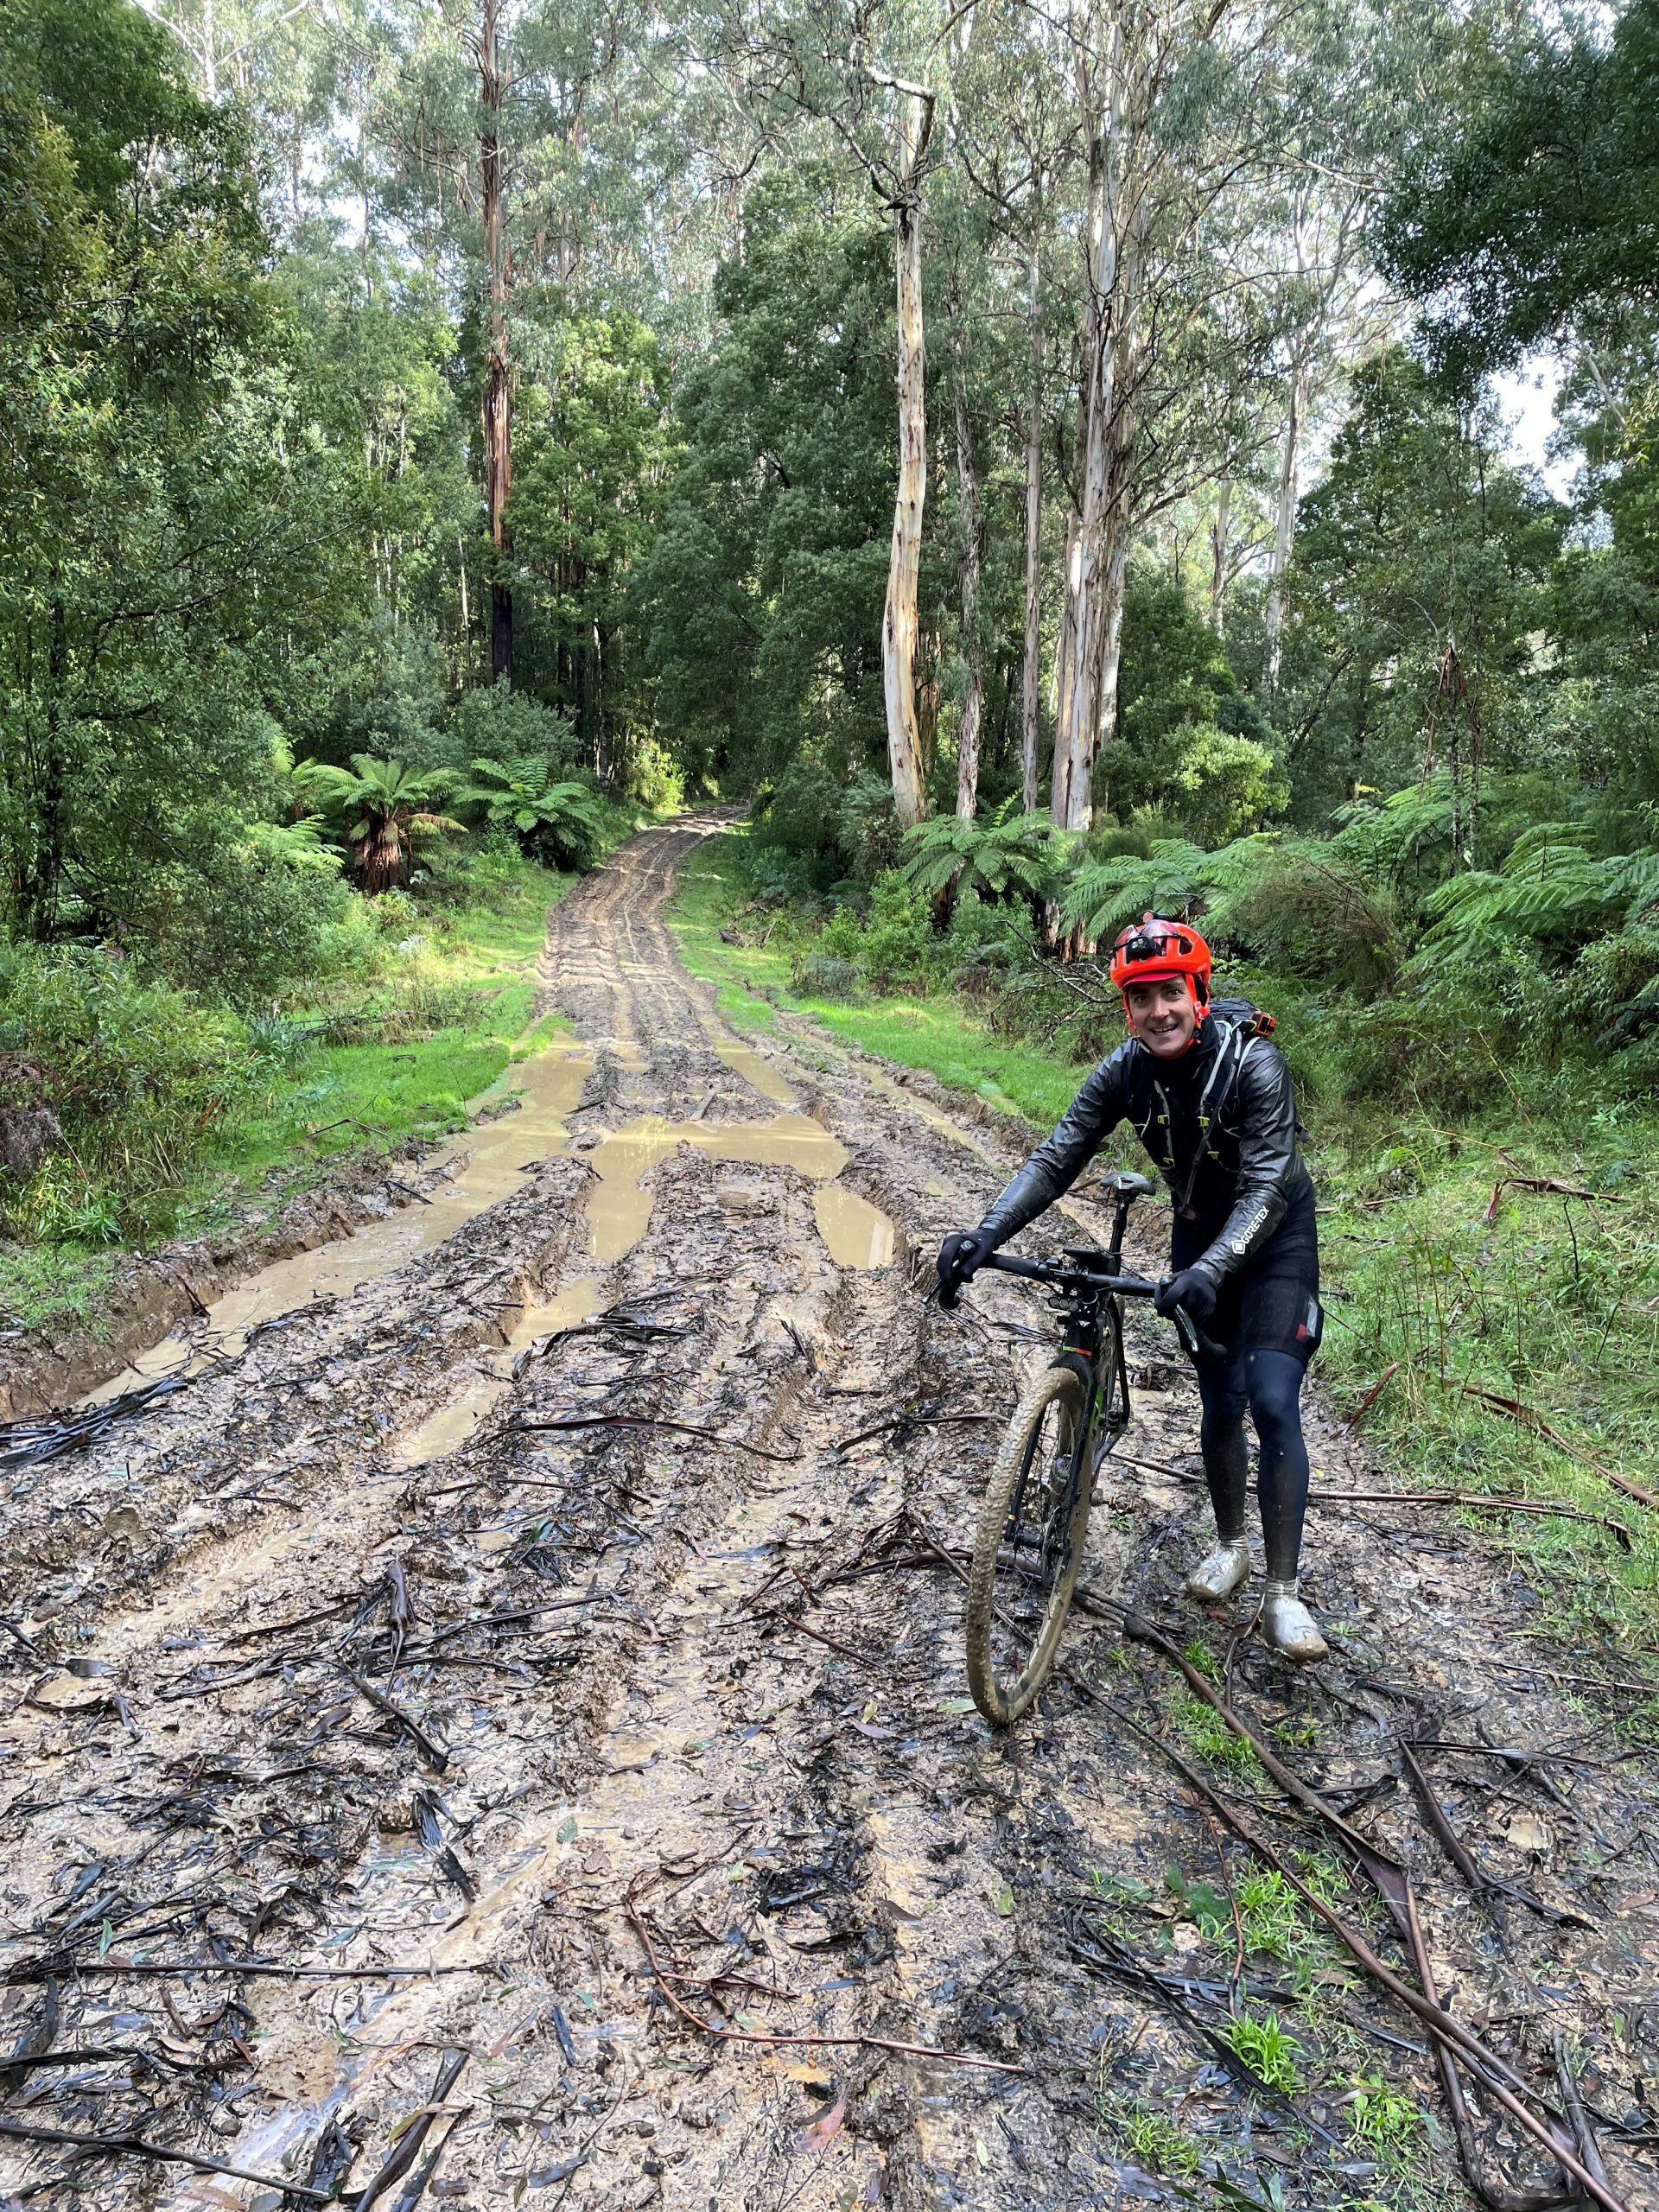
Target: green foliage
(1537,211)
(1418,537)
(1190,742)
(139,1075)
(763,589)
(1267,2047)
(1011,857)
(561,825)
(1208,1734)
(1386,2122)
(1150,2136)
(384,807)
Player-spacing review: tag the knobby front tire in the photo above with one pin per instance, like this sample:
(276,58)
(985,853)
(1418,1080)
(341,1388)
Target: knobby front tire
(1032,1529)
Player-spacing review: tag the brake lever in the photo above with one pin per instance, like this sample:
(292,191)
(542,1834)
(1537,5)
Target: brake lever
(1197,1345)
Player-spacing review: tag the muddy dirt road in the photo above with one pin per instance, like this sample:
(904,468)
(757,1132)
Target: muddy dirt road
(524,1649)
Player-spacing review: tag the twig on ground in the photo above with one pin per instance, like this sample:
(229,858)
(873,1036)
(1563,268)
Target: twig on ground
(407,2148)
(431,1751)
(652,1420)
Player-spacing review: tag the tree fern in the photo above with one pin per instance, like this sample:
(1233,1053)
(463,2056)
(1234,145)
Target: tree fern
(1105,894)
(1013,856)
(564,821)
(1548,885)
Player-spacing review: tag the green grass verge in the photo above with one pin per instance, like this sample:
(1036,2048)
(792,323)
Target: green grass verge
(451,1017)
(936,1035)
(1522,1350)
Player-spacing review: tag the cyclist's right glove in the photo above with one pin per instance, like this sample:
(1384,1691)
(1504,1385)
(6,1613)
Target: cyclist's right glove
(960,1257)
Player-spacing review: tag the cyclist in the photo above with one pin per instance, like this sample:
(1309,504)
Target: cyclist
(1210,1100)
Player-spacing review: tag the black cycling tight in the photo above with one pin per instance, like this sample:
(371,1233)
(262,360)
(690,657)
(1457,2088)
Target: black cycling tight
(1268,1384)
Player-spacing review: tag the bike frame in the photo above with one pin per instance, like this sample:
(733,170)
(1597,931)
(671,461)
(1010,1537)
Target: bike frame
(1091,1294)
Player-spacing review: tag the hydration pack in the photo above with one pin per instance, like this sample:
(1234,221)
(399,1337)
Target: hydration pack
(1243,1015)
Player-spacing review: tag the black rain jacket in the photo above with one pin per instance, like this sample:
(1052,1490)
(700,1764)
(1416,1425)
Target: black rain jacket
(1220,1123)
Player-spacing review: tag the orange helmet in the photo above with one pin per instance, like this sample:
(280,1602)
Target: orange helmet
(1152,948)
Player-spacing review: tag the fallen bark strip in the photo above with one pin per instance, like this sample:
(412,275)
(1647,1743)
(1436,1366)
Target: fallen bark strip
(914,1420)
(630,1908)
(845,1650)
(1476,1500)
(1550,1186)
(430,1749)
(1500,2079)
(46,1969)
(1553,1508)
(653,1421)
(1490,2193)
(1483,1883)
(1351,1421)
(1392,1884)
(111,2146)
(1527,1418)
(407,2148)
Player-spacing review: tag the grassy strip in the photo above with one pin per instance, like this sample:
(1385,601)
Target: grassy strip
(436,1029)
(1551,1304)
(938,1036)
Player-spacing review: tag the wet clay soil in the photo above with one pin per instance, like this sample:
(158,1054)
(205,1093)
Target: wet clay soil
(531,1620)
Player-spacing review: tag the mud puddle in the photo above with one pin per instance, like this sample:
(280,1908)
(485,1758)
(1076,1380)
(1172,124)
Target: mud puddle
(448,1428)
(494,1158)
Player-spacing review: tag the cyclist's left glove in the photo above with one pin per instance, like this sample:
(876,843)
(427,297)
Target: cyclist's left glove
(1194,1289)
(961,1256)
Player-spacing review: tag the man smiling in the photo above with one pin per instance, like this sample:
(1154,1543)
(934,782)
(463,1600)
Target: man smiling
(1210,1100)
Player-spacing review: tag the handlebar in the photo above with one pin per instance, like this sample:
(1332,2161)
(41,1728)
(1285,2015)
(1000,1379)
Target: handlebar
(1051,1271)
(1061,1278)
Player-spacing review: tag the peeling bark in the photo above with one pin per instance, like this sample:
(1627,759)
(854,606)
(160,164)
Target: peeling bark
(899,618)
(973,651)
(1030,716)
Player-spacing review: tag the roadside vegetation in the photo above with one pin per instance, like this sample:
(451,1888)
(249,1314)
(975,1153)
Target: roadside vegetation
(180,1116)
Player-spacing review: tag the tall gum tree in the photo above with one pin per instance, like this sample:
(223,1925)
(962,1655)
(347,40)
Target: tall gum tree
(899,625)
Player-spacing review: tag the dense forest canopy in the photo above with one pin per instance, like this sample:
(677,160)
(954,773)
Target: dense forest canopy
(423,419)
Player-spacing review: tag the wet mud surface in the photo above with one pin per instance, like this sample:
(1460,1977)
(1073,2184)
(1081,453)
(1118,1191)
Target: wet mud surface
(450,1747)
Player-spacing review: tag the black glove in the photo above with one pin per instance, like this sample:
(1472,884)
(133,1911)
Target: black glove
(959,1258)
(1194,1289)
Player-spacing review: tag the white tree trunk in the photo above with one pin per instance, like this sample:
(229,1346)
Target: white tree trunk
(1030,715)
(1218,558)
(1284,528)
(973,652)
(899,618)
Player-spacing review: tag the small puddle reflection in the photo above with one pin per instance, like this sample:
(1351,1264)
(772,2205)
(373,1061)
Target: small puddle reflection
(744,1061)
(495,1157)
(858,1234)
(619,1211)
(450,1426)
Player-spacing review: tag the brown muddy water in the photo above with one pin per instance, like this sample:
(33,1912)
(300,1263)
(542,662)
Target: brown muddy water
(555,1586)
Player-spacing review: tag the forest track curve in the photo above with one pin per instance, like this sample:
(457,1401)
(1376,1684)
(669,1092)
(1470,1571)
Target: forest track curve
(522,1612)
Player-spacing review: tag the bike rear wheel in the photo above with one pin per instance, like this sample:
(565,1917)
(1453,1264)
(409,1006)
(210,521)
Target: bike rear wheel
(1032,1528)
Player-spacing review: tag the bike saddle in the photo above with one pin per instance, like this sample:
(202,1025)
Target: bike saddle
(1129,1185)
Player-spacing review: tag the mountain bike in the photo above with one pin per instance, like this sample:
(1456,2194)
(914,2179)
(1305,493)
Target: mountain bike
(1033,1526)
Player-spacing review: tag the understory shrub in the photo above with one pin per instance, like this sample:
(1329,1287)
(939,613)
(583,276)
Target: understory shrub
(138,1074)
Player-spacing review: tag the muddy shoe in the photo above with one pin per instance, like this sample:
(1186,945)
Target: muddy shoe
(1288,1624)
(1221,1573)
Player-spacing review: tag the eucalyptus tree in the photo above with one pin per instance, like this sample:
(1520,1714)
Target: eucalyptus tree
(1017,140)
